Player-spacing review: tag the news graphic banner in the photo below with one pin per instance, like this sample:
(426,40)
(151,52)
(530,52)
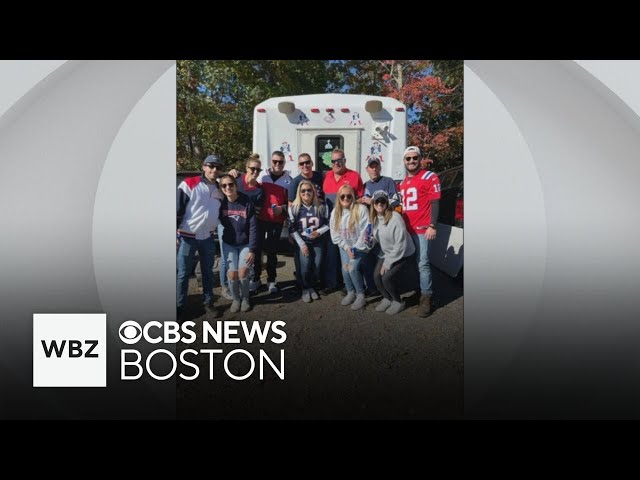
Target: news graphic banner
(87,154)
(551,271)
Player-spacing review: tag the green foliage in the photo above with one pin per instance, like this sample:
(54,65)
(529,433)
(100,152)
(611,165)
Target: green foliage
(215,101)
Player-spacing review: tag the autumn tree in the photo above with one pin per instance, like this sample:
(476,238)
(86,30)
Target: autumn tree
(432,90)
(215,101)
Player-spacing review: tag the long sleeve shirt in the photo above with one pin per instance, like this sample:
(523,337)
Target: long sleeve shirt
(343,237)
(395,242)
(307,220)
(239,221)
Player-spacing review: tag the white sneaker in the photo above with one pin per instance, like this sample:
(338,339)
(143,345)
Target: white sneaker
(254,286)
(396,307)
(273,287)
(348,300)
(235,306)
(359,303)
(226,293)
(314,295)
(383,305)
(306,296)
(246,306)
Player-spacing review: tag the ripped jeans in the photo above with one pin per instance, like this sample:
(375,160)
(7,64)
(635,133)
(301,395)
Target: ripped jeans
(351,271)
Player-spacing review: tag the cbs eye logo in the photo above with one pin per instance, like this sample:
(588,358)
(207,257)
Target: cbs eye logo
(130,332)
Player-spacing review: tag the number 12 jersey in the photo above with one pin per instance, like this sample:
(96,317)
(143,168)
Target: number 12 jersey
(417,193)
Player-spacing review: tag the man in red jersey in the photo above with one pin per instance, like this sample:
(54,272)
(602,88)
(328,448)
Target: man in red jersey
(420,191)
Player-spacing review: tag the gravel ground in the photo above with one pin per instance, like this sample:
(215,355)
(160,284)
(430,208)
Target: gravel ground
(339,363)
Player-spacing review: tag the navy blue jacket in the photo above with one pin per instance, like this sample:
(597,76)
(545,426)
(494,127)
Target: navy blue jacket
(239,221)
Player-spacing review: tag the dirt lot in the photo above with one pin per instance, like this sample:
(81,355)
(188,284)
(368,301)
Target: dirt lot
(338,363)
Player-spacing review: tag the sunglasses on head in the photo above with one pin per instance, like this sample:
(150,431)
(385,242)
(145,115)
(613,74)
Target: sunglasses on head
(337,160)
(304,164)
(254,169)
(306,190)
(277,162)
(346,196)
(411,158)
(227,185)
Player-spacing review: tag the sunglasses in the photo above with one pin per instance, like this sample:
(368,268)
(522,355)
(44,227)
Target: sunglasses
(214,167)
(254,169)
(305,164)
(346,197)
(408,159)
(337,160)
(277,162)
(381,201)
(227,185)
(306,190)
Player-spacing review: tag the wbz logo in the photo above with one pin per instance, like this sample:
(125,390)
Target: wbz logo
(69,350)
(74,351)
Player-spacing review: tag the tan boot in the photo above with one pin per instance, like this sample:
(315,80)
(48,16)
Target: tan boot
(424,310)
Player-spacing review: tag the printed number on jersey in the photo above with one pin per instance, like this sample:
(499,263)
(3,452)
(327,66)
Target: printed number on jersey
(311,222)
(409,199)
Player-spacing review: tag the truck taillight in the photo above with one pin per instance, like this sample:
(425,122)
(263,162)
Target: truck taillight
(399,109)
(459,217)
(315,110)
(262,110)
(344,110)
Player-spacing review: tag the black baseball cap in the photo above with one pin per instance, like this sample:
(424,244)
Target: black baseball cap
(213,160)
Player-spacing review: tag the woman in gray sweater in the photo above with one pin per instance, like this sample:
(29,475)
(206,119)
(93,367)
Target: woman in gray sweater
(397,248)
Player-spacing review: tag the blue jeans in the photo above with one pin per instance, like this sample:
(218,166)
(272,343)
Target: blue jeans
(186,252)
(422,256)
(351,271)
(309,271)
(222,266)
(236,257)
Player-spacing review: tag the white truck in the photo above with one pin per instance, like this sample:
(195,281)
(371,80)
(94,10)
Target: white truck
(361,125)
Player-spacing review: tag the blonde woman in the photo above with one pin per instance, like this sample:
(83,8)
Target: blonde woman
(348,224)
(397,252)
(308,221)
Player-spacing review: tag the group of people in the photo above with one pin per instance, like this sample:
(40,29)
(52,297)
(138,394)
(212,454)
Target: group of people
(337,222)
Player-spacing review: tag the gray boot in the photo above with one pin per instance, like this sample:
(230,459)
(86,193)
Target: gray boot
(359,303)
(245,306)
(348,300)
(235,306)
(383,305)
(396,307)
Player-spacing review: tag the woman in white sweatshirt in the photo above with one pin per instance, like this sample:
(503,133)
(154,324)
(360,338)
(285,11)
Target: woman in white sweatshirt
(396,254)
(348,224)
